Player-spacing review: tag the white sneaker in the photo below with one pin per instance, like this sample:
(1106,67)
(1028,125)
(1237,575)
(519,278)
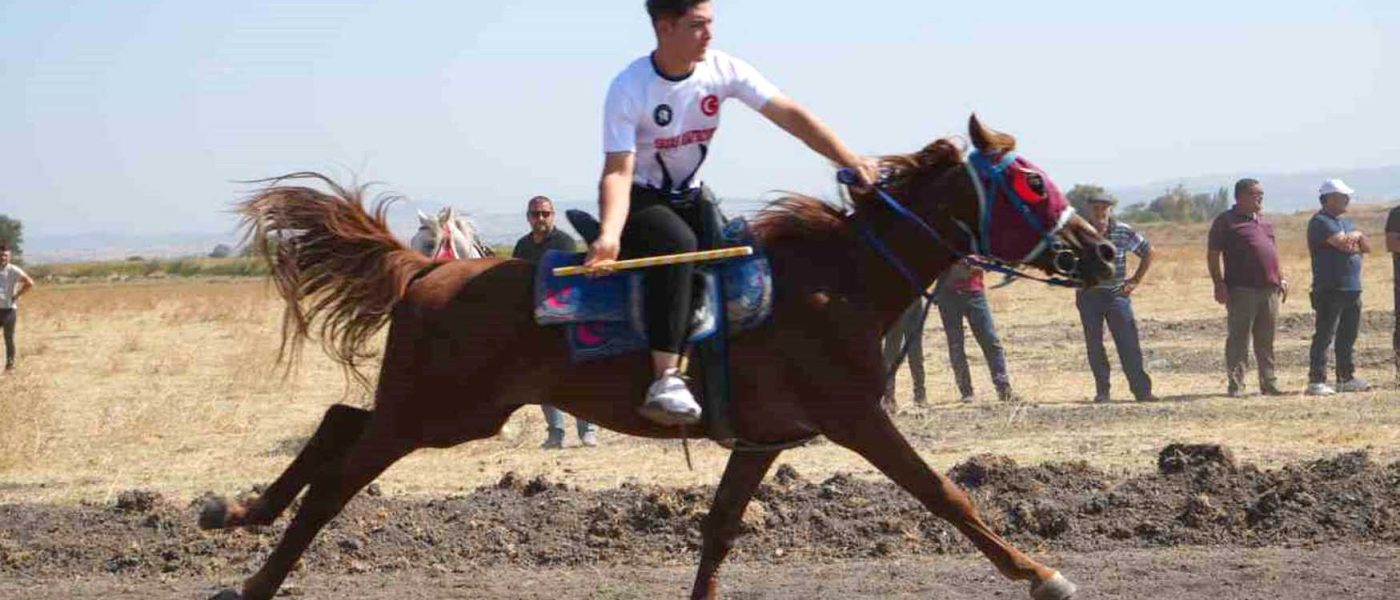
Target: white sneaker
(1355,384)
(1320,389)
(669,401)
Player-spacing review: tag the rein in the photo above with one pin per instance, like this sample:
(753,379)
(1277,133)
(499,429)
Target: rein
(977,167)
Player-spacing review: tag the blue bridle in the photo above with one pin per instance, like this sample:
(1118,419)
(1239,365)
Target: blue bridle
(984,174)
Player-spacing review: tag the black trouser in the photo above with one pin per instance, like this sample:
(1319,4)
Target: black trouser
(665,223)
(8,317)
(1339,318)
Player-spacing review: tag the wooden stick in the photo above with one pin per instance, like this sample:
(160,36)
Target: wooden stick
(656,261)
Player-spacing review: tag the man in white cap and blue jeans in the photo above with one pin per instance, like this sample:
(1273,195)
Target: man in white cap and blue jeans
(1336,247)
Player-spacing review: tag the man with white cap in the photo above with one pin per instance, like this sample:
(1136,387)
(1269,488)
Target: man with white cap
(1336,247)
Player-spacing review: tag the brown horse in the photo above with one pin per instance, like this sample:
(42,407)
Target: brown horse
(464,352)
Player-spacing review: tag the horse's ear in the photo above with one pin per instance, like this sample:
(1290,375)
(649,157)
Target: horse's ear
(425,221)
(986,139)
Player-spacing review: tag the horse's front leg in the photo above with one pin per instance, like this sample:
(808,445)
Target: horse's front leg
(741,478)
(874,437)
(842,396)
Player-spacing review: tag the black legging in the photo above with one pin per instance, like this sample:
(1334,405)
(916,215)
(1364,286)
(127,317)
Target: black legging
(8,317)
(657,225)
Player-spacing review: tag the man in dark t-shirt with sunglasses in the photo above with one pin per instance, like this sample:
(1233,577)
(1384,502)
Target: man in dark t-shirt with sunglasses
(543,237)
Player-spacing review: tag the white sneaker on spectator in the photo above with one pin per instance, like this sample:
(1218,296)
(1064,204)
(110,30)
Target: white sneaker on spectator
(1319,389)
(669,401)
(1355,384)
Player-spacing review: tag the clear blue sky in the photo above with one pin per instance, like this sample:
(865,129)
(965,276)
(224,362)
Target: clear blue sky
(138,115)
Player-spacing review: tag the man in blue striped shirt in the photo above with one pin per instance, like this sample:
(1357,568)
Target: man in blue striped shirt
(1110,302)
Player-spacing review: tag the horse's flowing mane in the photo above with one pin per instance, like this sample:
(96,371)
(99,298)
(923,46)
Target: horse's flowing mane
(797,217)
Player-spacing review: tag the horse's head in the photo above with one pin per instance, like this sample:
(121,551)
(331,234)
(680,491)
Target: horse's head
(449,236)
(1001,206)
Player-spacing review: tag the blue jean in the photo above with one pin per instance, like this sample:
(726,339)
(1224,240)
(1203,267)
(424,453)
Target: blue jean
(907,330)
(1338,316)
(953,307)
(1096,307)
(554,418)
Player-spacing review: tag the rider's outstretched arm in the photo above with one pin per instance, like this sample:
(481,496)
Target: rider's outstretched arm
(614,201)
(803,125)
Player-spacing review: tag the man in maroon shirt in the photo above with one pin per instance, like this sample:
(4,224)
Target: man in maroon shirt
(1392,245)
(1251,287)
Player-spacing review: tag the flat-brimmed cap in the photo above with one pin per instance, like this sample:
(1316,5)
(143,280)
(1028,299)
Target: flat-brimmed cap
(1103,199)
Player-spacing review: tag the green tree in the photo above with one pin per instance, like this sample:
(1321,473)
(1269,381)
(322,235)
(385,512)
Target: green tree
(1181,206)
(12,233)
(1213,205)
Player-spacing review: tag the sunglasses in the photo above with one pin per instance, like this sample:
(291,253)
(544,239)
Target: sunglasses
(540,213)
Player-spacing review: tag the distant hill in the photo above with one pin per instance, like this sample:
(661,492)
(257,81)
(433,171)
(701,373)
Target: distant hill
(81,247)
(1287,192)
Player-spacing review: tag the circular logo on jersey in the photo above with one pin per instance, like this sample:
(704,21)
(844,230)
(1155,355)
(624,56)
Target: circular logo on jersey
(710,105)
(662,115)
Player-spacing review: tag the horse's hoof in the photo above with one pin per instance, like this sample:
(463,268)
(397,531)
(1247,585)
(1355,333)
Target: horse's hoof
(1054,588)
(227,594)
(214,515)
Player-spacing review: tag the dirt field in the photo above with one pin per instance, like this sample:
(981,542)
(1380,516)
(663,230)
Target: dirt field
(169,388)
(1339,512)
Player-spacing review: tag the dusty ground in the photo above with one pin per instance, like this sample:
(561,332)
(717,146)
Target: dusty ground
(1353,572)
(1340,510)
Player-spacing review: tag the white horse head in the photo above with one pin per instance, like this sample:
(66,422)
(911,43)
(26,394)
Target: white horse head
(449,236)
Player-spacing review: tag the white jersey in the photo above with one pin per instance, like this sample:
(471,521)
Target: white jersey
(10,276)
(669,123)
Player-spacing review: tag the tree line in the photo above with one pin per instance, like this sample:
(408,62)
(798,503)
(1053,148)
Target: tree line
(1175,205)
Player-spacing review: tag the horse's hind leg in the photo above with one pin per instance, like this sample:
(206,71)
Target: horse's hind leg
(741,477)
(377,449)
(338,431)
(874,436)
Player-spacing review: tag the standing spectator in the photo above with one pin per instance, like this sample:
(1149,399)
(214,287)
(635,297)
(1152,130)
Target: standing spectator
(1392,244)
(1251,288)
(1336,247)
(1110,301)
(14,282)
(960,294)
(907,331)
(544,236)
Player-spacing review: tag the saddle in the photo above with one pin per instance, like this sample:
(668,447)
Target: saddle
(603,316)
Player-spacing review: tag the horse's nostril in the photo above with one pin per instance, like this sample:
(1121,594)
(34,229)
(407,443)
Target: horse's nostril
(1107,252)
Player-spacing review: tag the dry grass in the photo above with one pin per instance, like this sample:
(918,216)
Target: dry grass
(169,385)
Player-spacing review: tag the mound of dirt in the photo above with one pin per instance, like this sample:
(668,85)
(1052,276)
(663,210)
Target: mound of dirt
(1199,496)
(1176,458)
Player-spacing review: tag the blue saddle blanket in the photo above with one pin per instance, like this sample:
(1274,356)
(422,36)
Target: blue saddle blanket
(603,316)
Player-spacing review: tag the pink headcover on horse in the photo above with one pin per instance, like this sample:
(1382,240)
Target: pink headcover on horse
(1010,232)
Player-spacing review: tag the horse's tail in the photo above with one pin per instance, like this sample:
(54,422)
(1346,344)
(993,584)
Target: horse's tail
(332,260)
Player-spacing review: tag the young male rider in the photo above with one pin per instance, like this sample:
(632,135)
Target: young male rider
(659,118)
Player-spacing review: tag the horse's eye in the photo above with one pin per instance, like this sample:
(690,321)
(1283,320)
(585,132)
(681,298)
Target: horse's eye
(1030,185)
(1036,183)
